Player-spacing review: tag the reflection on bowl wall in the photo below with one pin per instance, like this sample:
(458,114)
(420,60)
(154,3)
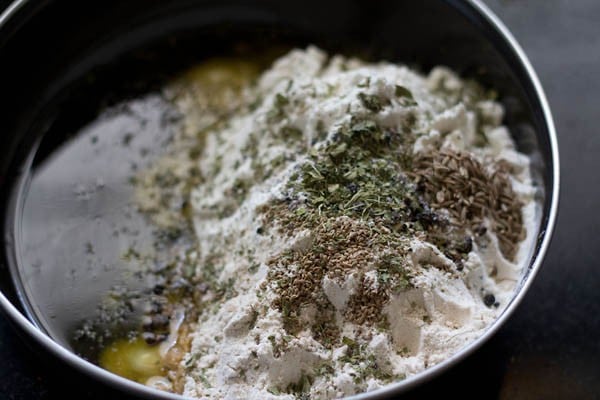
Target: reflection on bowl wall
(67,188)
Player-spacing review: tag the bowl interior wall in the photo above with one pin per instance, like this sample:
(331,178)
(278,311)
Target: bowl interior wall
(62,61)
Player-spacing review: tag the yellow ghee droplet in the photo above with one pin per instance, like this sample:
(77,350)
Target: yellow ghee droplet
(135,360)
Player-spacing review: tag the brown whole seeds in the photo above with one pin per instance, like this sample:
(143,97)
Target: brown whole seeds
(456,182)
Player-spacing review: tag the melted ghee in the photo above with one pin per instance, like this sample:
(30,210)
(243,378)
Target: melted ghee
(135,360)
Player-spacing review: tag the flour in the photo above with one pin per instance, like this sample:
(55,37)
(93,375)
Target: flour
(433,300)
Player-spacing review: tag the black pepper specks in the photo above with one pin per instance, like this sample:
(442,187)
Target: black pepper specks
(158,289)
(489,300)
(466,245)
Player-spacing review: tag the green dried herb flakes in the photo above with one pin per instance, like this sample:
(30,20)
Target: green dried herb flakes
(274,391)
(301,388)
(289,85)
(204,380)
(370,368)
(275,345)
(405,95)
(89,248)
(365,83)
(239,190)
(401,91)
(359,174)
(365,363)
(250,150)
(191,360)
(195,152)
(257,102)
(127,138)
(278,111)
(253,318)
(226,290)
(321,131)
(166,178)
(324,369)
(253,268)
(131,254)
(373,102)
(289,132)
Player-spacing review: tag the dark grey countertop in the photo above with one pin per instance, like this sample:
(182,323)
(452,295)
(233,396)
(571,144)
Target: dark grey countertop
(550,348)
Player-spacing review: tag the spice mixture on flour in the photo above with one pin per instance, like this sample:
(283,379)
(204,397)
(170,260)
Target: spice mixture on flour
(351,224)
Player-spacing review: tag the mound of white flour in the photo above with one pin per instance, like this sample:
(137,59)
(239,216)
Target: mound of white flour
(241,347)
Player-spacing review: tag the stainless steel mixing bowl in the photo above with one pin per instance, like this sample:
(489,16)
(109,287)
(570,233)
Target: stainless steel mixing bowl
(60,60)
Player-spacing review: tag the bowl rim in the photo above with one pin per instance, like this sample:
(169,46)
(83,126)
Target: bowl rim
(133,388)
